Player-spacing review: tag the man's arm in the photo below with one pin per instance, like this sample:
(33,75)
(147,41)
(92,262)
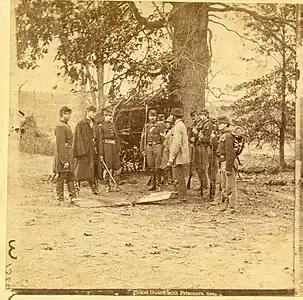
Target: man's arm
(230,152)
(176,144)
(142,141)
(60,144)
(79,146)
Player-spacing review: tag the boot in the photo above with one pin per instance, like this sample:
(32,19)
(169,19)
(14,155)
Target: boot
(60,189)
(116,187)
(153,185)
(71,190)
(93,187)
(225,201)
(212,191)
(108,186)
(158,181)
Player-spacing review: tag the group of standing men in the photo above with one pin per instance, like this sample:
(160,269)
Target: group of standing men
(168,147)
(207,147)
(91,153)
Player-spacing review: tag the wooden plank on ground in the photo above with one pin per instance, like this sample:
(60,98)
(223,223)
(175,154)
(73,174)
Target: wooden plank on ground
(155,197)
(103,202)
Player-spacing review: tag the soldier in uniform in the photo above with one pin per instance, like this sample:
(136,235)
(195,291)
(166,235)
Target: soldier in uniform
(64,159)
(213,160)
(229,165)
(151,147)
(110,149)
(161,122)
(86,150)
(200,136)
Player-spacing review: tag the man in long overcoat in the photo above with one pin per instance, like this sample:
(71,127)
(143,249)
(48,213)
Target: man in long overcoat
(64,159)
(109,149)
(179,153)
(86,150)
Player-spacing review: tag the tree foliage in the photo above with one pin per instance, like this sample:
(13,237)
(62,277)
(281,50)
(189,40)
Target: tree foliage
(267,105)
(169,50)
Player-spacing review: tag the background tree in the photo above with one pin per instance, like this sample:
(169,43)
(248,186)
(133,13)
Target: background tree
(175,37)
(267,108)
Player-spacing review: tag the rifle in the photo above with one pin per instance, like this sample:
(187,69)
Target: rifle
(77,188)
(211,171)
(190,166)
(145,138)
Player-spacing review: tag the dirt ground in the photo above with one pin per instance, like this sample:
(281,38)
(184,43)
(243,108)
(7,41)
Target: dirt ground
(171,245)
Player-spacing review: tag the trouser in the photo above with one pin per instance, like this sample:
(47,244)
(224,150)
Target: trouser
(168,174)
(202,154)
(115,174)
(67,177)
(179,180)
(213,173)
(229,186)
(154,158)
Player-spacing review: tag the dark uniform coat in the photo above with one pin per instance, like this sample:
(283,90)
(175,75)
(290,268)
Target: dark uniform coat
(153,135)
(86,151)
(64,148)
(226,150)
(109,145)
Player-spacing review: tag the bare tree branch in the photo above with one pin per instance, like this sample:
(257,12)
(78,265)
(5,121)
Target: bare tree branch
(242,37)
(147,24)
(254,14)
(170,33)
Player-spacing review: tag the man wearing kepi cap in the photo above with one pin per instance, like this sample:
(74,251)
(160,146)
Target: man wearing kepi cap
(64,159)
(86,149)
(109,150)
(179,153)
(151,146)
(227,156)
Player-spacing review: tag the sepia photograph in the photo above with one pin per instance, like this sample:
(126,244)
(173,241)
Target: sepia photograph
(152,148)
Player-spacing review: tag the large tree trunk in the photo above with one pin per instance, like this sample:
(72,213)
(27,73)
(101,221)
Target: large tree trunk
(283,106)
(191,57)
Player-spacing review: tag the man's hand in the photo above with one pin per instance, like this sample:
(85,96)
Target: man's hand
(101,157)
(192,139)
(195,131)
(170,162)
(66,165)
(143,153)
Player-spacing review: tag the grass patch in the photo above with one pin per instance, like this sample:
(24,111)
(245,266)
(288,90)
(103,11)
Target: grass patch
(265,163)
(33,141)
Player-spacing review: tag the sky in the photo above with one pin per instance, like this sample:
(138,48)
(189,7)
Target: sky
(227,48)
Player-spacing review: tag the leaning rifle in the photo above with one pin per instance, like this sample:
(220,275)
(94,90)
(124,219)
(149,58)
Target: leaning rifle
(211,171)
(190,166)
(145,138)
(108,171)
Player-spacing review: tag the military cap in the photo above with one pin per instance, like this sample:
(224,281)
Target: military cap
(223,119)
(64,109)
(204,111)
(91,108)
(176,111)
(152,113)
(193,113)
